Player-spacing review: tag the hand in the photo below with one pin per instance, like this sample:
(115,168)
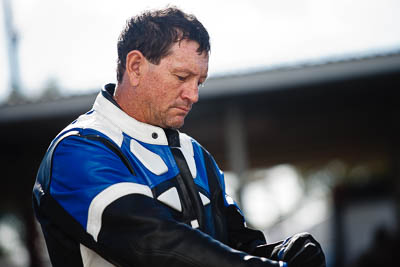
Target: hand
(300,250)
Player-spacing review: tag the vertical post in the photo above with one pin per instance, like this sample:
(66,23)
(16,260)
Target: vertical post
(236,144)
(339,202)
(12,49)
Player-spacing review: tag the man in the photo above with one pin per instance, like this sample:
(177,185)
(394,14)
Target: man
(122,186)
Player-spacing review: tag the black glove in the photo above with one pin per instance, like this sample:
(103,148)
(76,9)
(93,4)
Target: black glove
(300,250)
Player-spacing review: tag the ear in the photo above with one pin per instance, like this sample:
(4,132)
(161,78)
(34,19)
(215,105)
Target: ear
(135,62)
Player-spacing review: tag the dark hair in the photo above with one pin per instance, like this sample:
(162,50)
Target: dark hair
(154,32)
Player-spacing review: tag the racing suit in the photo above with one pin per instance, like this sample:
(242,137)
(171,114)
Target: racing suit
(114,191)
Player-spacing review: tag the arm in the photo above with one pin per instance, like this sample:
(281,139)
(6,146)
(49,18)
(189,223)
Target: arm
(93,199)
(239,235)
(298,250)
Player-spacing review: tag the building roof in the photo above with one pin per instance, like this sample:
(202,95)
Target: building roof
(226,85)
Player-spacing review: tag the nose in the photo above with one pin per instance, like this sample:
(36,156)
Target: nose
(191,93)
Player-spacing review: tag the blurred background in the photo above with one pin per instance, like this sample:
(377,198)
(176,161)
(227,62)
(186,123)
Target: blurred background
(301,110)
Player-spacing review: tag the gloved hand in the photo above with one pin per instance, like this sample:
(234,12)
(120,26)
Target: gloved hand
(300,250)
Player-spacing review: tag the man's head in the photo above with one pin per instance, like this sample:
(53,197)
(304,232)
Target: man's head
(154,32)
(162,59)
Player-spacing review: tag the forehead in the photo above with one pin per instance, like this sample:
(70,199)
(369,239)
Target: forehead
(184,55)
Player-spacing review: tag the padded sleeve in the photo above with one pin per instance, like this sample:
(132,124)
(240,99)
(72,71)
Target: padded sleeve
(240,236)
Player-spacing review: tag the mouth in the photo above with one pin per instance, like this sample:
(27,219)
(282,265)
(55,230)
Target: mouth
(184,109)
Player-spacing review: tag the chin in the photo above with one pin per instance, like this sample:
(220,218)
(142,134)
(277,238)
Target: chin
(175,124)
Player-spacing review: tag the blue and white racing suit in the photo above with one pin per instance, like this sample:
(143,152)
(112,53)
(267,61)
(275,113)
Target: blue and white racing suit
(114,191)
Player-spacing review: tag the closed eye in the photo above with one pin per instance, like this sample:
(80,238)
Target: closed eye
(181,78)
(185,78)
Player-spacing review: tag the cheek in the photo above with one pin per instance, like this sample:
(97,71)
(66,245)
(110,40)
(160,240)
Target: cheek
(163,91)
(167,91)
(155,89)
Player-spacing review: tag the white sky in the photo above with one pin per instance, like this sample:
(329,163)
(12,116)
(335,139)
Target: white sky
(74,41)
